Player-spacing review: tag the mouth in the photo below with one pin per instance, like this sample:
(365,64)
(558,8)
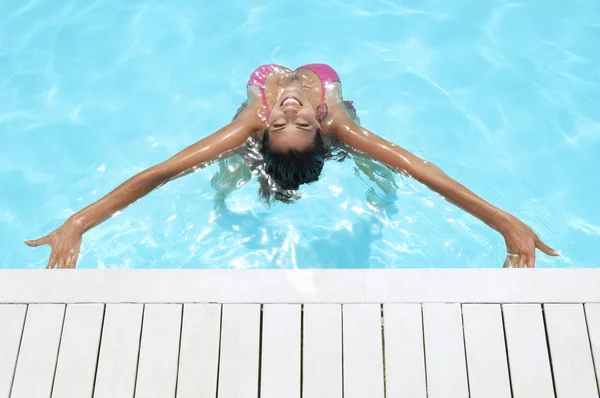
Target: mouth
(291,101)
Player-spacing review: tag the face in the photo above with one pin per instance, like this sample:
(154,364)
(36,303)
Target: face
(293,122)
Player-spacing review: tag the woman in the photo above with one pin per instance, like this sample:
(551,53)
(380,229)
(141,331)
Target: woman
(289,125)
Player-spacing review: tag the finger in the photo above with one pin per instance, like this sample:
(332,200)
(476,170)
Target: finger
(526,262)
(511,261)
(37,242)
(51,261)
(545,248)
(531,262)
(522,261)
(72,263)
(62,264)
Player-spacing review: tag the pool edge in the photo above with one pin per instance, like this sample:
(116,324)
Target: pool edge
(300,286)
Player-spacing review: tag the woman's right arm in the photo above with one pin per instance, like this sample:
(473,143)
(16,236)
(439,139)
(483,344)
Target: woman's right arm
(66,240)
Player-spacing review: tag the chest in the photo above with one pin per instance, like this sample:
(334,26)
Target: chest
(307,80)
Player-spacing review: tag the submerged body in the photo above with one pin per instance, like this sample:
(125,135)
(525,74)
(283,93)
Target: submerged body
(291,122)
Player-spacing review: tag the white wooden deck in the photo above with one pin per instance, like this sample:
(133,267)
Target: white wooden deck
(292,334)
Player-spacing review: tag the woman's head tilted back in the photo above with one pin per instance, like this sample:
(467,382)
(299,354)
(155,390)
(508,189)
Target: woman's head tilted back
(293,148)
(293,122)
(290,169)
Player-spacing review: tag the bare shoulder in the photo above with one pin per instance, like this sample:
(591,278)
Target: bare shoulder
(339,120)
(251,113)
(338,114)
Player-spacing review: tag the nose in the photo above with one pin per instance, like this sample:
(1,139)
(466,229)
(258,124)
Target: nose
(290,111)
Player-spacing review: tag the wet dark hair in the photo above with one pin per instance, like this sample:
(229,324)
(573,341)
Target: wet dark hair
(286,171)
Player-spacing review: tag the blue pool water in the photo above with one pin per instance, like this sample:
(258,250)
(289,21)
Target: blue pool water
(504,96)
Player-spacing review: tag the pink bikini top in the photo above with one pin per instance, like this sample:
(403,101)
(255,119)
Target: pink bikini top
(326,74)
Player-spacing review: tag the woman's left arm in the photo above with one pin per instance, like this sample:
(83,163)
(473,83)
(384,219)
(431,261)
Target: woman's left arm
(520,239)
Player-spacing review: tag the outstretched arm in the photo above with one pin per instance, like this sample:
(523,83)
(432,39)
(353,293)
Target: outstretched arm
(66,240)
(520,240)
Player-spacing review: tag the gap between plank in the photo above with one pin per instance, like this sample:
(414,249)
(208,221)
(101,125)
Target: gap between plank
(548,348)
(219,356)
(62,328)
(512,394)
(587,329)
(462,321)
(99,348)
(342,328)
(260,344)
(137,367)
(424,350)
(383,351)
(12,381)
(301,350)
(179,350)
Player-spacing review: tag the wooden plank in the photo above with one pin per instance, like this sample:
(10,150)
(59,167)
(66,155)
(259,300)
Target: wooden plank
(363,351)
(199,353)
(119,347)
(487,364)
(528,358)
(12,319)
(592,313)
(159,351)
(240,340)
(570,352)
(404,352)
(322,356)
(39,349)
(445,351)
(76,367)
(281,347)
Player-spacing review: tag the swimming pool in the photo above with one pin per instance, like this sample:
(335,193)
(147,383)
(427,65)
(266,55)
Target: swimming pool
(504,96)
